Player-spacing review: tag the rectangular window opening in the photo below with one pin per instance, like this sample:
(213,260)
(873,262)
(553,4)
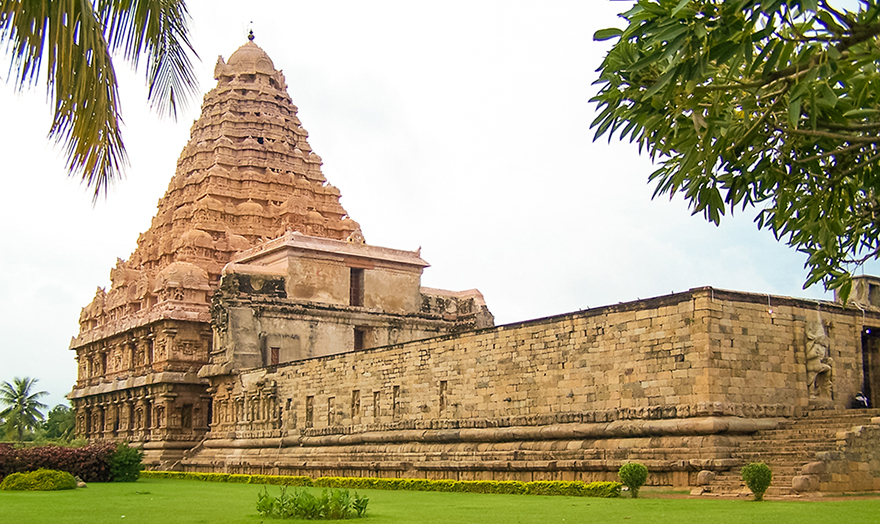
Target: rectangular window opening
(360,337)
(356,287)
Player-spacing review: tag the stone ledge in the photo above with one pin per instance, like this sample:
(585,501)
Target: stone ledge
(176,377)
(596,431)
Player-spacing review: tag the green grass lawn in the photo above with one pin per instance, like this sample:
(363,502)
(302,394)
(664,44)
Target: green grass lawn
(154,501)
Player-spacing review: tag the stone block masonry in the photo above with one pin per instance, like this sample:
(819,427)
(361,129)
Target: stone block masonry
(677,382)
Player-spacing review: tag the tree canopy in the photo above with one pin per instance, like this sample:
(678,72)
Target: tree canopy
(22,411)
(767,103)
(75,40)
(60,423)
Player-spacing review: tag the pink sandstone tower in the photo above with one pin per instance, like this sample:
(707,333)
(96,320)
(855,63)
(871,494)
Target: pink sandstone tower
(247,205)
(247,175)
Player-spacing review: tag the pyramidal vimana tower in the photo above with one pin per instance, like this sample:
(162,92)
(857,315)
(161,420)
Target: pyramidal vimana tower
(246,176)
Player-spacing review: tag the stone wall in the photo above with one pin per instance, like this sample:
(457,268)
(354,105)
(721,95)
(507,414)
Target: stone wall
(673,355)
(856,466)
(675,381)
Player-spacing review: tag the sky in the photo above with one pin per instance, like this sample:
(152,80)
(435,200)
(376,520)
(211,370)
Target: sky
(461,127)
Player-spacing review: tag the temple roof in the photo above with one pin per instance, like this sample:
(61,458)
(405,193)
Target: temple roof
(247,175)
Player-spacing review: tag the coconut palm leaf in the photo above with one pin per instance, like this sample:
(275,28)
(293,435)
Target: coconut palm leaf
(22,411)
(76,39)
(159,29)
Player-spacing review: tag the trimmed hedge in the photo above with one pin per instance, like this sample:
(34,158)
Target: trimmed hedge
(94,463)
(39,480)
(277,480)
(511,487)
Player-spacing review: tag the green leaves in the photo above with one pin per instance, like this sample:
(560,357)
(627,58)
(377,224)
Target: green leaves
(22,406)
(757,102)
(74,40)
(606,34)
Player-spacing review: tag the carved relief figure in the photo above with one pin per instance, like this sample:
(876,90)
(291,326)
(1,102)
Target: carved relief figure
(819,364)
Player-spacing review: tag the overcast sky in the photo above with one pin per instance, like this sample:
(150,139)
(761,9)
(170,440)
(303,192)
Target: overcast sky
(460,127)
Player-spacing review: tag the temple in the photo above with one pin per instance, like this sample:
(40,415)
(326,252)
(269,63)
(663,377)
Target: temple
(255,330)
(247,175)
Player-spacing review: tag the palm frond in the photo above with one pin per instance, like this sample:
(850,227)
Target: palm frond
(79,78)
(76,39)
(157,28)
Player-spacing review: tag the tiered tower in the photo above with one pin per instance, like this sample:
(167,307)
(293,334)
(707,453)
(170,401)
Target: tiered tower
(247,175)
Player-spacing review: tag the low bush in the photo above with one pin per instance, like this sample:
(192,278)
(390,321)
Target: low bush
(90,463)
(633,475)
(757,477)
(335,505)
(39,480)
(125,463)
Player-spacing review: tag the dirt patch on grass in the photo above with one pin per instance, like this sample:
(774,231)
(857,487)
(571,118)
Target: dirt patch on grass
(666,493)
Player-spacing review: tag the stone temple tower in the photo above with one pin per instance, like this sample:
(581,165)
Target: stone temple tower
(247,175)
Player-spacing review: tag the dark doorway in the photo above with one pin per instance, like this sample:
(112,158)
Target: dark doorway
(871,364)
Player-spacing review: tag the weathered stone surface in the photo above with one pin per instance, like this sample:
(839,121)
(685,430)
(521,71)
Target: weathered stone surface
(705,477)
(814,468)
(543,398)
(805,483)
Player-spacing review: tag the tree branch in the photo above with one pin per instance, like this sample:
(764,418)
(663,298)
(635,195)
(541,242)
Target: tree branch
(855,166)
(830,153)
(853,127)
(835,136)
(746,137)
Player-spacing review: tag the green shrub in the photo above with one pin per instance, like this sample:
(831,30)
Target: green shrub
(335,505)
(633,475)
(280,480)
(125,463)
(511,487)
(39,480)
(179,475)
(606,490)
(757,477)
(90,463)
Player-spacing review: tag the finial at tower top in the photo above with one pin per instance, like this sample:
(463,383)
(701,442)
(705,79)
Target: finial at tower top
(251,35)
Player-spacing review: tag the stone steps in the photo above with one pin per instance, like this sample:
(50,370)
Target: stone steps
(788,448)
(730,482)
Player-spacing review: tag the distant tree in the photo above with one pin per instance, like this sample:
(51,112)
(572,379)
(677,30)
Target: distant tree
(76,41)
(22,411)
(769,103)
(60,423)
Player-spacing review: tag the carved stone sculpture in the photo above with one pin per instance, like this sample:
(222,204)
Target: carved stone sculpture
(819,364)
